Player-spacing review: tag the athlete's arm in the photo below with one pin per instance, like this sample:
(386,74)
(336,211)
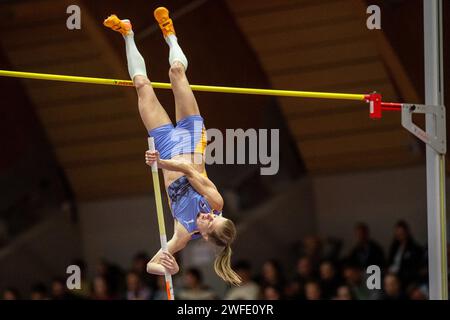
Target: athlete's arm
(200,183)
(171,165)
(205,187)
(163,261)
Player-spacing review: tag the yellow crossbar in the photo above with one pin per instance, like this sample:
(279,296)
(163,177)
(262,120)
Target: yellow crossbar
(162,85)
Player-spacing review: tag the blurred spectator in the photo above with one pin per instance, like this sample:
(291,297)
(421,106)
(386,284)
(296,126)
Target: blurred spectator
(305,271)
(271,293)
(39,292)
(112,275)
(417,293)
(248,290)
(100,289)
(353,276)
(366,252)
(331,249)
(139,265)
(405,255)
(312,248)
(59,290)
(294,290)
(329,279)
(392,288)
(343,293)
(10,294)
(422,273)
(272,274)
(194,289)
(312,291)
(136,290)
(85,291)
(319,249)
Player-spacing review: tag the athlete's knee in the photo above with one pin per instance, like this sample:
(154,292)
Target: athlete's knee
(176,71)
(141,82)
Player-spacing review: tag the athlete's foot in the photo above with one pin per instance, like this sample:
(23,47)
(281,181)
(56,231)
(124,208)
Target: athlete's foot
(165,23)
(114,23)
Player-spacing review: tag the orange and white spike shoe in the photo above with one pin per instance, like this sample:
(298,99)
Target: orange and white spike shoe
(165,23)
(114,23)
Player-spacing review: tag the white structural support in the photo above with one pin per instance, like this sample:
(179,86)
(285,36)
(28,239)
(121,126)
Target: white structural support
(434,96)
(437,139)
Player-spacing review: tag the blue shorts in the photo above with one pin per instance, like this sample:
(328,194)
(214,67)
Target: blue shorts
(188,136)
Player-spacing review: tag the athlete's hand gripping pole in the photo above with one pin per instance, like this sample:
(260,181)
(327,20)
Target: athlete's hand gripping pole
(160,215)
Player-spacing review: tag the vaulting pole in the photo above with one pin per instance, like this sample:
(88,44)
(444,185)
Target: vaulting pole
(160,215)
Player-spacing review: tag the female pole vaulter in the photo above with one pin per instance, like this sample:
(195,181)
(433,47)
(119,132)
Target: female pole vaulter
(195,202)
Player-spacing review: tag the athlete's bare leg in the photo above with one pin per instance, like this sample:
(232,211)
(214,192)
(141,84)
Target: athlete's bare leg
(152,113)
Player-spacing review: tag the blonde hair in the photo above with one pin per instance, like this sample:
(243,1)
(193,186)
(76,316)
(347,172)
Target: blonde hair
(223,237)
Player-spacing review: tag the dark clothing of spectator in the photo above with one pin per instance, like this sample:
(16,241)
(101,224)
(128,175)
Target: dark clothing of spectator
(400,297)
(301,280)
(367,254)
(329,287)
(405,261)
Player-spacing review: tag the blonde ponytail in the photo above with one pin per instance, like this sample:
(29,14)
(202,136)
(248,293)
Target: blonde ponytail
(222,265)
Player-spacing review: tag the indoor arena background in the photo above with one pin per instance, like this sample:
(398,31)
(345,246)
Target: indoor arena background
(75,189)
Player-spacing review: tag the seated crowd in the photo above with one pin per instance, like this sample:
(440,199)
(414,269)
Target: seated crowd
(315,275)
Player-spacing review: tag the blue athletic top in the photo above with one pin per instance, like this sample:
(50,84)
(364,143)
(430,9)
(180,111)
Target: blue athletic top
(186,203)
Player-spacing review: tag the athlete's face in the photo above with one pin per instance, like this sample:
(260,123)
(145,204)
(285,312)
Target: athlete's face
(208,222)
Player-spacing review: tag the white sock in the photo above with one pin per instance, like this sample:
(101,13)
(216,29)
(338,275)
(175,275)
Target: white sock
(135,61)
(175,52)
